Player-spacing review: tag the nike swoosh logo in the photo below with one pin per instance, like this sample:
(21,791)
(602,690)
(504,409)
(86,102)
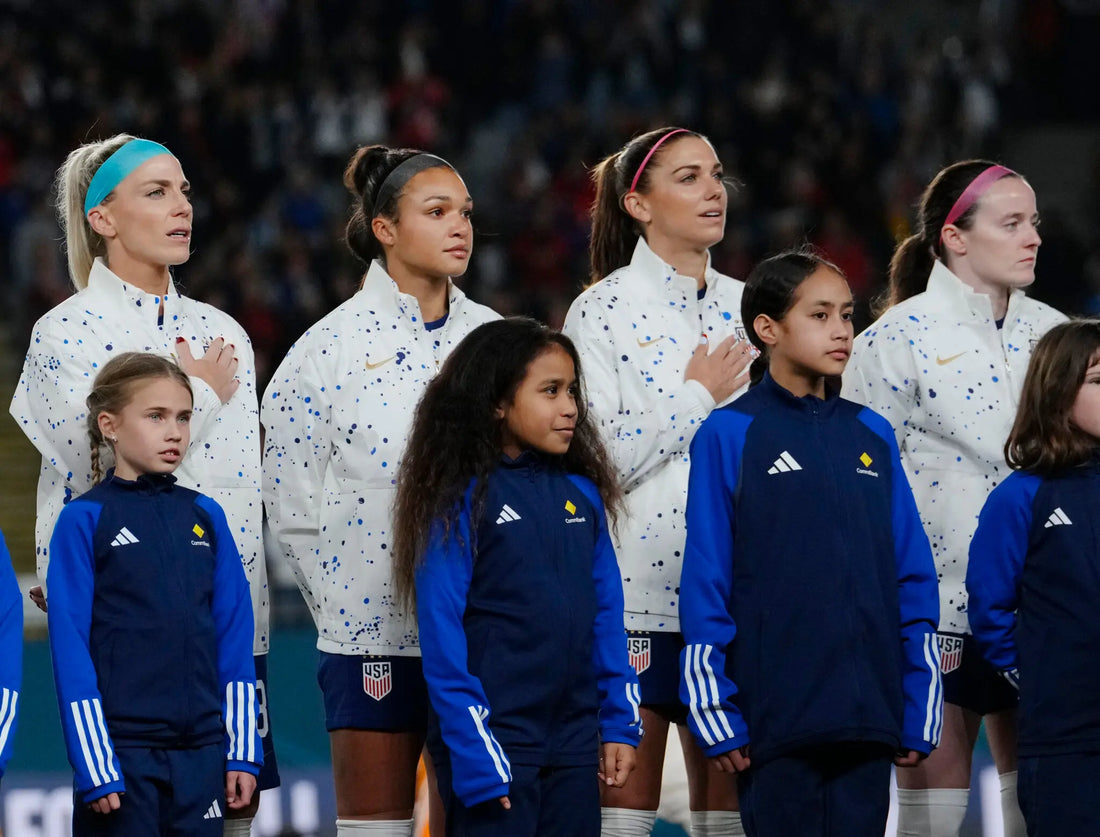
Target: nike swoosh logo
(643,343)
(943,361)
(380,363)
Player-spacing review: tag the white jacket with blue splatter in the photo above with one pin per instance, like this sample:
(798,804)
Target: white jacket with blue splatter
(337,414)
(636,330)
(948,380)
(71,343)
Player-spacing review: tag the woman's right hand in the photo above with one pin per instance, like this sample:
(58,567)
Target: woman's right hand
(106,804)
(723,371)
(218,367)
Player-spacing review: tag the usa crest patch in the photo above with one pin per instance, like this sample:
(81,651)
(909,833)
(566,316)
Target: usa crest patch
(638,649)
(951,652)
(377,679)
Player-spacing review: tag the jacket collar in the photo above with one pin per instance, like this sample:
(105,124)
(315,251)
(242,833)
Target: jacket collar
(662,277)
(955,295)
(808,404)
(102,281)
(145,483)
(380,292)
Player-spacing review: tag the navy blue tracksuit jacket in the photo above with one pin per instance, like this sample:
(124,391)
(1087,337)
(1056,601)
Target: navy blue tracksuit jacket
(150,629)
(521,631)
(808,598)
(1034,585)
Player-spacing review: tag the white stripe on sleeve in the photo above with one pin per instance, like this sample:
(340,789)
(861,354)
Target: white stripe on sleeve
(230,721)
(8,708)
(500,761)
(690,662)
(108,752)
(85,748)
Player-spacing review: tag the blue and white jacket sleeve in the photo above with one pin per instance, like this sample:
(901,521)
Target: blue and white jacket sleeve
(71,580)
(232,610)
(480,768)
(706,585)
(919,608)
(997,553)
(620,695)
(11,653)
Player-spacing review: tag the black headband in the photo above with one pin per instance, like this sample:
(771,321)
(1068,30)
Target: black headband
(402,174)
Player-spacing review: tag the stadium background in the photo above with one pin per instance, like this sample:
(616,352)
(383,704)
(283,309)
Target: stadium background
(829,116)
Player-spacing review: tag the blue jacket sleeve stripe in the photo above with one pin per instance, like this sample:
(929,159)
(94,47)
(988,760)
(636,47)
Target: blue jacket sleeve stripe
(706,703)
(240,721)
(95,744)
(9,705)
(933,724)
(496,752)
(634,698)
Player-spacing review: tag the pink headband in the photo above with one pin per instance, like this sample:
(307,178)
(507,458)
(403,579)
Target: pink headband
(975,190)
(656,145)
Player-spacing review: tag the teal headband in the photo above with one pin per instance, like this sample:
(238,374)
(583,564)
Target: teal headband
(117,167)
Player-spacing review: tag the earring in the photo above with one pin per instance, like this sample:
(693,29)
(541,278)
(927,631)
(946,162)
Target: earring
(113,439)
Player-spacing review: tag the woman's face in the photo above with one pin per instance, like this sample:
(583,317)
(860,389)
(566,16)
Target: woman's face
(147,220)
(1001,246)
(684,206)
(433,235)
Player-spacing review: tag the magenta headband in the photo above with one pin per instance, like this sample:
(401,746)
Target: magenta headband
(975,190)
(656,145)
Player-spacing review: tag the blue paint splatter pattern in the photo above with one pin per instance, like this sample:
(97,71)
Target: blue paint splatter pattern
(635,331)
(68,347)
(337,414)
(949,381)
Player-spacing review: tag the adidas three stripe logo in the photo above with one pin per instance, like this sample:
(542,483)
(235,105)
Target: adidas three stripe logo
(124,537)
(1058,518)
(214,812)
(784,463)
(507,515)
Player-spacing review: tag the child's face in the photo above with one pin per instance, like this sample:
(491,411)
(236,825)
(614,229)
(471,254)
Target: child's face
(152,431)
(1086,406)
(814,339)
(543,413)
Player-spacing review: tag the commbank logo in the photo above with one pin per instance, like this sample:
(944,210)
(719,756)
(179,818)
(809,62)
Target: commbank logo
(124,538)
(784,463)
(507,515)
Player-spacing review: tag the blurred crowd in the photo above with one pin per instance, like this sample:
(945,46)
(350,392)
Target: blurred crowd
(829,116)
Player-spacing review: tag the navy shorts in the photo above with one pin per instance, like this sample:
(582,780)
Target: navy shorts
(167,791)
(269,773)
(968,680)
(375,693)
(655,656)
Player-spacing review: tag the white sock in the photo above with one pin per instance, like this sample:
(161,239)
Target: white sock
(389,828)
(241,827)
(716,824)
(1010,807)
(935,812)
(626,822)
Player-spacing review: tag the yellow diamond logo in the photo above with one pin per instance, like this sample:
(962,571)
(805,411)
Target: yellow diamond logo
(569,507)
(866,460)
(198,530)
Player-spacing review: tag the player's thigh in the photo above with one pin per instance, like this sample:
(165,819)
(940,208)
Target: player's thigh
(642,791)
(375,772)
(708,788)
(1000,730)
(949,764)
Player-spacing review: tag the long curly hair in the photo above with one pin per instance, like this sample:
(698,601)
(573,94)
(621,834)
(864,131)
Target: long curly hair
(456,439)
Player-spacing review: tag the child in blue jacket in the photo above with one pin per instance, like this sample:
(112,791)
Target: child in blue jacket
(150,624)
(500,529)
(808,596)
(11,654)
(1034,581)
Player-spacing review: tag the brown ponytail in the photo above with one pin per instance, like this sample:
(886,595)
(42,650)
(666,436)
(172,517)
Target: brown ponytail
(614,232)
(914,257)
